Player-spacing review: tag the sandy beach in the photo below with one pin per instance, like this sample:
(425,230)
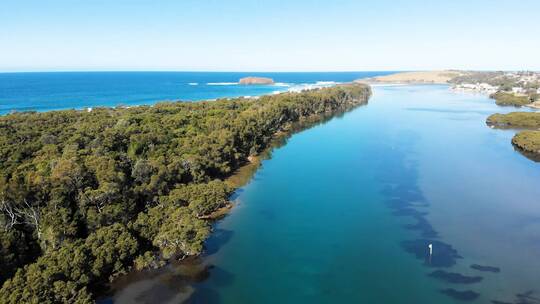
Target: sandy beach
(418,77)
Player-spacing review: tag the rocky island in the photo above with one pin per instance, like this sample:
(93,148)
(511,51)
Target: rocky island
(255,80)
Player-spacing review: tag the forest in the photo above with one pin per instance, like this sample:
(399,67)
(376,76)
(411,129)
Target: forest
(85,196)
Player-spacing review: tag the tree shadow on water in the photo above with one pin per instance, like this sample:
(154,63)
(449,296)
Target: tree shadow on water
(217,240)
(444,255)
(207,292)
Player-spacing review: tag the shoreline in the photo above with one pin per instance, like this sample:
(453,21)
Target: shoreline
(278,88)
(207,262)
(176,162)
(244,174)
(452,78)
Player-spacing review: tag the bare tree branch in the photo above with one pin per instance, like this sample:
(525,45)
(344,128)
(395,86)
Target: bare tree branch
(11,217)
(29,214)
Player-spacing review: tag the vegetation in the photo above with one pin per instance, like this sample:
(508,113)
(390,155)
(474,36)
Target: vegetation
(507,84)
(84,196)
(492,78)
(510,99)
(527,141)
(529,120)
(504,81)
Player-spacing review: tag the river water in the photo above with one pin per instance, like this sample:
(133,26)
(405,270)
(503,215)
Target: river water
(344,212)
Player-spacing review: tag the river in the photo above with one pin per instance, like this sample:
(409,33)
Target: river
(344,212)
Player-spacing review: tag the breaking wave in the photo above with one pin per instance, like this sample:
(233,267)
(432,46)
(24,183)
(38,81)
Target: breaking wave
(221,83)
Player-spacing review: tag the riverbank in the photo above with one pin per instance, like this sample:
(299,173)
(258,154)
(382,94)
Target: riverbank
(141,181)
(527,140)
(513,89)
(506,88)
(243,174)
(309,211)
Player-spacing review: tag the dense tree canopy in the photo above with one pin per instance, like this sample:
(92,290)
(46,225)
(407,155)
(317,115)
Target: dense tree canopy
(85,194)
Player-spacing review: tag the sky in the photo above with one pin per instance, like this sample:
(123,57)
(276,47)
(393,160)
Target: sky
(268,35)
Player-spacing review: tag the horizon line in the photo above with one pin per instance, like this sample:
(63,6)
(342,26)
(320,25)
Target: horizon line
(247,71)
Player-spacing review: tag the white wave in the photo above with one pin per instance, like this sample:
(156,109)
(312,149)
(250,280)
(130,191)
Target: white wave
(311,86)
(193,83)
(300,87)
(221,83)
(326,83)
(282,84)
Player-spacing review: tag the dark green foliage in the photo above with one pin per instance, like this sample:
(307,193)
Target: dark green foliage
(64,275)
(203,199)
(84,193)
(179,233)
(17,248)
(112,248)
(60,276)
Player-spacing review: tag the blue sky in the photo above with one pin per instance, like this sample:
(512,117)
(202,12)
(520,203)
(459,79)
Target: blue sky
(266,35)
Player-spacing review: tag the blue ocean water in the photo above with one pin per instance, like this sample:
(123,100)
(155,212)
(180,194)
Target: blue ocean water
(77,90)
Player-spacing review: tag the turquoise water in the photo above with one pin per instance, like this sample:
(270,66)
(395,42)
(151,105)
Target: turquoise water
(344,213)
(77,90)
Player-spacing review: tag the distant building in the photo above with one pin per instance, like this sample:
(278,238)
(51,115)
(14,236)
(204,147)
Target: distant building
(518,90)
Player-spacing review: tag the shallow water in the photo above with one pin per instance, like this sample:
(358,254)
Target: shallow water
(344,213)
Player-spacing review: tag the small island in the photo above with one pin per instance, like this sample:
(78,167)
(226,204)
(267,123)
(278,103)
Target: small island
(256,80)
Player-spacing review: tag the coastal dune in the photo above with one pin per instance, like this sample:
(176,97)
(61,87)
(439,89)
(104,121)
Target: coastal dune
(418,77)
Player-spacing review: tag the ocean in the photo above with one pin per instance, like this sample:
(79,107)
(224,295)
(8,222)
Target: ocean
(79,90)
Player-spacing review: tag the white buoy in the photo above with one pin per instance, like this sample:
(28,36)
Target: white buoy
(430,246)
